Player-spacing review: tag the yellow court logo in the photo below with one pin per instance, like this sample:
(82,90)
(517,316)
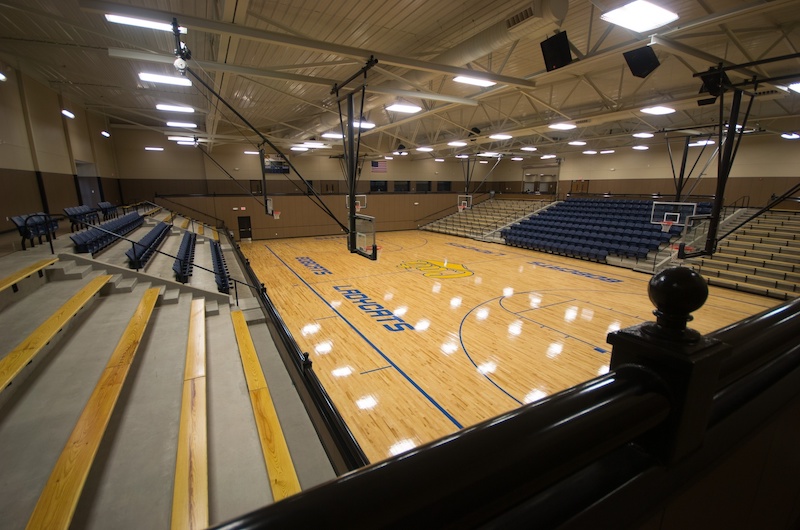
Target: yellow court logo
(437,269)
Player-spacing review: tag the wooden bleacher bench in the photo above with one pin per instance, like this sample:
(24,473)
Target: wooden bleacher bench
(12,279)
(280,469)
(200,229)
(60,496)
(185,224)
(215,234)
(18,358)
(190,491)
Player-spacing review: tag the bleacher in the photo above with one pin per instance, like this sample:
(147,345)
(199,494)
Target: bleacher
(185,261)
(34,225)
(94,239)
(145,247)
(593,229)
(484,218)
(109,210)
(81,216)
(220,268)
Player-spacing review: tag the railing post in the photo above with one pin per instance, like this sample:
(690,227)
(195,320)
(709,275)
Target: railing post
(687,362)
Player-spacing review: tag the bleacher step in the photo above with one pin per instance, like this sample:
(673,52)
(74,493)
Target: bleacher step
(212,307)
(67,270)
(170,296)
(122,284)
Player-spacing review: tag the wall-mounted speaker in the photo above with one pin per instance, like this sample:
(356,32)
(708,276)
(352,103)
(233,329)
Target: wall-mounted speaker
(642,61)
(715,82)
(555,51)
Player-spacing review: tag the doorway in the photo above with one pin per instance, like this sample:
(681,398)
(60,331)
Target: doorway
(245,231)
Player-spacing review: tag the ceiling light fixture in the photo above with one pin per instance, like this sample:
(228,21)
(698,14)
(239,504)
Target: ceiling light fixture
(517,158)
(483,161)
(488,154)
(68,114)
(187,142)
(425,149)
(2,77)
(795,87)
(527,148)
(658,110)
(790,136)
(388,158)
(457,143)
(500,136)
(184,124)
(251,152)
(165,79)
(546,157)
(363,125)
(174,108)
(142,23)
(643,135)
(314,145)
(299,148)
(641,147)
(438,159)
(700,143)
(336,136)
(153,148)
(474,81)
(562,126)
(462,156)
(405,108)
(640,16)
(607,152)
(590,152)
(106,134)
(577,142)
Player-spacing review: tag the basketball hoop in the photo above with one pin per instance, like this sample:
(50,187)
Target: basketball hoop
(358,206)
(276,214)
(461,208)
(666,226)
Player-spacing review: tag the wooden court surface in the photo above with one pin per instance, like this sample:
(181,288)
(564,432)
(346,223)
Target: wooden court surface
(443,332)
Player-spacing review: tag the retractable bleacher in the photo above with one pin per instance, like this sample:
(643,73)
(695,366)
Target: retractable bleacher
(141,251)
(592,229)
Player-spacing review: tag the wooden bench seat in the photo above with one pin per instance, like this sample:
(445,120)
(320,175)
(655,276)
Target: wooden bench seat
(18,358)
(60,496)
(190,491)
(12,279)
(280,469)
(185,224)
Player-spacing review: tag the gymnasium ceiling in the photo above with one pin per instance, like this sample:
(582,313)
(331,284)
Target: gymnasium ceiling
(275,62)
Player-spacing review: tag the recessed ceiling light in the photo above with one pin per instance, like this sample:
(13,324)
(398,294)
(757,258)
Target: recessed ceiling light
(474,81)
(363,125)
(563,126)
(528,148)
(500,137)
(425,149)
(166,79)
(790,136)
(607,152)
(658,111)
(68,114)
(334,135)
(174,108)
(251,152)
(577,142)
(184,124)
(590,152)
(457,143)
(517,158)
(142,23)
(545,157)
(438,159)
(299,148)
(153,148)
(405,108)
(640,16)
(106,134)
(641,147)
(643,135)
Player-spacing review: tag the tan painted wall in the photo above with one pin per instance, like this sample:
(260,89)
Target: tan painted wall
(15,150)
(47,128)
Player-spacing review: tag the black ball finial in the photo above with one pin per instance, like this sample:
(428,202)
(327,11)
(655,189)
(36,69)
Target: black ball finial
(676,293)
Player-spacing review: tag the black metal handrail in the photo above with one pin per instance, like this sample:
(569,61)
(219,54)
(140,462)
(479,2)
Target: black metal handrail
(220,222)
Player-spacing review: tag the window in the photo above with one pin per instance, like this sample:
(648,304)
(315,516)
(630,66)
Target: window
(424,185)
(378,185)
(443,185)
(402,185)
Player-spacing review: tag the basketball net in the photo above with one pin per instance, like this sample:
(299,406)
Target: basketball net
(666,225)
(276,214)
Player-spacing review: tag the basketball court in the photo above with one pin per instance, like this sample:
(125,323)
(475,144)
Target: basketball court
(442,332)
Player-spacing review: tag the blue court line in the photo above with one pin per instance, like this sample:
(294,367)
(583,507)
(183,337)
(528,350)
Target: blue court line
(375,370)
(466,352)
(385,357)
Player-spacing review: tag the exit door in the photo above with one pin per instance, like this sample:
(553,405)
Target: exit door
(244,228)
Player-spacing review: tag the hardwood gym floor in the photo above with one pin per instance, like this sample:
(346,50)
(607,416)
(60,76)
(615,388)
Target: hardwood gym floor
(442,332)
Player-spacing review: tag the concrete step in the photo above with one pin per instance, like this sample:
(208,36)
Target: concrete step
(169,296)
(67,270)
(123,285)
(212,308)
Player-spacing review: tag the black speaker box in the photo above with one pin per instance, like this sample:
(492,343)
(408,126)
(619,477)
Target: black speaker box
(715,82)
(642,61)
(555,51)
